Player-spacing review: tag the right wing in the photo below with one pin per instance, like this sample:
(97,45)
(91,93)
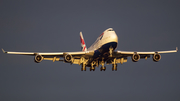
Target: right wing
(43,53)
(54,56)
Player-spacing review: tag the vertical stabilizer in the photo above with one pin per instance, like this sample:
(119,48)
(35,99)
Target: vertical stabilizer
(83,45)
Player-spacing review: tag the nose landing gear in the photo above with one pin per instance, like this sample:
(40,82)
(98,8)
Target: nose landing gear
(110,51)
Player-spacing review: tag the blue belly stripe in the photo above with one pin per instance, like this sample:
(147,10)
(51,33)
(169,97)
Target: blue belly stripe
(104,48)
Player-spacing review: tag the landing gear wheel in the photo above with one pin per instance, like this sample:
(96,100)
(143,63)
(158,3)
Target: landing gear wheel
(92,69)
(101,69)
(104,68)
(114,67)
(83,68)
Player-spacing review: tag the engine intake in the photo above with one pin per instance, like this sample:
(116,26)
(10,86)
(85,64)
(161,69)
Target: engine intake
(156,57)
(135,57)
(68,58)
(38,58)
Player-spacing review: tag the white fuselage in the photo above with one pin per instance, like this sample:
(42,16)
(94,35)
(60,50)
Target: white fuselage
(106,38)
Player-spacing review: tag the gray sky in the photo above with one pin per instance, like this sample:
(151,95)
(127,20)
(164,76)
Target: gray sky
(54,25)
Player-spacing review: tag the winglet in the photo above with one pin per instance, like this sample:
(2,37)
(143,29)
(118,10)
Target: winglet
(176,48)
(4,51)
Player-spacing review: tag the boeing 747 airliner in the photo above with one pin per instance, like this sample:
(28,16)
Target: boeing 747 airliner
(101,52)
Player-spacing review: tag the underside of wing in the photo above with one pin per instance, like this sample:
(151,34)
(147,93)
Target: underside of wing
(143,55)
(148,53)
(70,57)
(45,53)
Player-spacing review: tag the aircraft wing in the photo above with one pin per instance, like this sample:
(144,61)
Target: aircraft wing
(145,53)
(141,55)
(44,54)
(54,56)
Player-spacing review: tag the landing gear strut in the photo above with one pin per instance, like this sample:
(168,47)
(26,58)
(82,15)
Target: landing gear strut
(114,65)
(110,51)
(83,68)
(83,63)
(92,66)
(102,67)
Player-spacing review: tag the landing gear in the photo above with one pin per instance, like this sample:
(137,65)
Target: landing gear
(114,67)
(103,68)
(110,51)
(83,68)
(92,68)
(83,63)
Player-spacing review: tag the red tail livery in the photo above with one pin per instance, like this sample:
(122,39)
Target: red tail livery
(83,45)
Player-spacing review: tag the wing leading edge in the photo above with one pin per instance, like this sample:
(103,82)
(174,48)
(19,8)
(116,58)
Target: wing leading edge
(45,54)
(146,53)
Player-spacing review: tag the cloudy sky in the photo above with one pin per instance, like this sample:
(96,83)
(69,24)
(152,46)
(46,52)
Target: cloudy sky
(54,26)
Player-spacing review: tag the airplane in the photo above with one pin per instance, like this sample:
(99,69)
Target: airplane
(101,52)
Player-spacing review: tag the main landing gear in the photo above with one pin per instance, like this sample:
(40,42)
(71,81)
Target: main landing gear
(83,68)
(114,65)
(83,64)
(103,68)
(92,66)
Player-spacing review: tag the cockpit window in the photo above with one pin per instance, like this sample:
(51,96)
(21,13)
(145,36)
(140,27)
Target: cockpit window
(110,30)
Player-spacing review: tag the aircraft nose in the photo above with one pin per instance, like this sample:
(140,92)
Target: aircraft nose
(114,37)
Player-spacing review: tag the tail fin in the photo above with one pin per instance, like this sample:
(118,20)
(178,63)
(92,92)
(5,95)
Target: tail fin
(83,45)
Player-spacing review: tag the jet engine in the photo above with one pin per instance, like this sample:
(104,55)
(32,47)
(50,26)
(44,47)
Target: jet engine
(135,57)
(68,58)
(156,57)
(38,58)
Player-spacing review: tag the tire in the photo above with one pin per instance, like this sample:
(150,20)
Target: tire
(104,68)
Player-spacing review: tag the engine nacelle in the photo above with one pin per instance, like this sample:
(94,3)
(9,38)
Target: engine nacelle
(38,58)
(135,57)
(68,58)
(156,57)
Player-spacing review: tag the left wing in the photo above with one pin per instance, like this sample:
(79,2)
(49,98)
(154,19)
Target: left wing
(137,55)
